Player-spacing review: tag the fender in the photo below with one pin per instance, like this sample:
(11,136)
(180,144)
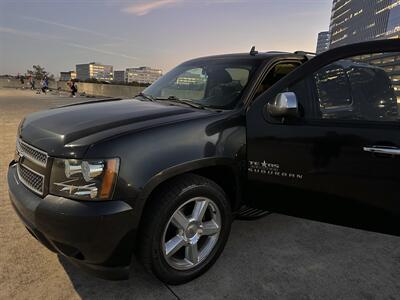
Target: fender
(187,167)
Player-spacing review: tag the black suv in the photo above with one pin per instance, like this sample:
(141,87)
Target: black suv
(164,174)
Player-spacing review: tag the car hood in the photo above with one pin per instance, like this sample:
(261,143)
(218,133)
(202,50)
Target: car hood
(68,131)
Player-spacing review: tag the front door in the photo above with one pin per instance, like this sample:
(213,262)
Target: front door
(342,150)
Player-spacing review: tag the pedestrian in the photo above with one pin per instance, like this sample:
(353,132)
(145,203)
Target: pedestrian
(31,82)
(74,89)
(45,85)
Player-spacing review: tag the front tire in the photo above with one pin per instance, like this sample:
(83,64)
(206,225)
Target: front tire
(184,229)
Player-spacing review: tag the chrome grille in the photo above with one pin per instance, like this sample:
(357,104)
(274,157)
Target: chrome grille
(33,154)
(31,179)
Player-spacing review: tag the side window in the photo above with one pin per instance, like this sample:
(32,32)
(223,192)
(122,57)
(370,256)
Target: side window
(362,88)
(239,75)
(279,71)
(333,92)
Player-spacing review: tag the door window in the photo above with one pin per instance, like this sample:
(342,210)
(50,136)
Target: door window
(361,88)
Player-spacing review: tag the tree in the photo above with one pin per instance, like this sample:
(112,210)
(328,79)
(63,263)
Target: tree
(39,72)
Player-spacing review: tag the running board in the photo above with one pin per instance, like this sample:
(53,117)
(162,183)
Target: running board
(249,213)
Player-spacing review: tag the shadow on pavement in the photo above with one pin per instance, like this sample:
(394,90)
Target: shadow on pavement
(273,258)
(140,285)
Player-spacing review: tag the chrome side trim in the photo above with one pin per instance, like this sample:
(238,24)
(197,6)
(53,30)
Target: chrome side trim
(382,150)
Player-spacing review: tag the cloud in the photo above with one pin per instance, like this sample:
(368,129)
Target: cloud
(70,27)
(33,35)
(100,50)
(143,8)
(41,36)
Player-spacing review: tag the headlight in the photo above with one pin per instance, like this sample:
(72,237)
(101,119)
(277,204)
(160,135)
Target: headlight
(84,179)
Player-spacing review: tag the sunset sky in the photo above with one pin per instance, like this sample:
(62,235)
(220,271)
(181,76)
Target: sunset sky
(59,34)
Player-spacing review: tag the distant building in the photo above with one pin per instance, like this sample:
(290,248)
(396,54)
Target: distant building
(142,75)
(363,20)
(119,76)
(94,71)
(190,79)
(65,76)
(323,41)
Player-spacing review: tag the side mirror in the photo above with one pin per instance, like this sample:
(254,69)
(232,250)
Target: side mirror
(284,105)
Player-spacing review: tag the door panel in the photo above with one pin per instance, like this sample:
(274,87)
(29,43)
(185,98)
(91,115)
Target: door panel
(348,99)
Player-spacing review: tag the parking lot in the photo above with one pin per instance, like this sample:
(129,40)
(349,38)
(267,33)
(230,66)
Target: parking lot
(276,257)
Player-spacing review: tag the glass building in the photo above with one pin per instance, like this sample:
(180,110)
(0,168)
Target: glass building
(323,41)
(94,70)
(65,76)
(119,76)
(142,75)
(354,21)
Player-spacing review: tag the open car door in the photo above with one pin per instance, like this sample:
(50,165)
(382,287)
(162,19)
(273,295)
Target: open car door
(326,138)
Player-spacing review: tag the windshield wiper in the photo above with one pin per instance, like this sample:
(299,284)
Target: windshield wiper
(147,97)
(183,101)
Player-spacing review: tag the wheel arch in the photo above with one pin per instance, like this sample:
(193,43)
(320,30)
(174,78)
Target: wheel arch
(224,172)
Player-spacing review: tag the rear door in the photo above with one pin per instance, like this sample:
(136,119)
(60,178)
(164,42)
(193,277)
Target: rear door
(346,141)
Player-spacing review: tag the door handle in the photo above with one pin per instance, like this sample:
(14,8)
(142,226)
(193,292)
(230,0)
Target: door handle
(383,150)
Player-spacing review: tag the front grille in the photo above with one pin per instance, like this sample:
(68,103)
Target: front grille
(35,155)
(31,179)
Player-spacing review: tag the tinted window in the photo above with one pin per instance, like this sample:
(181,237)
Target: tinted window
(333,92)
(363,88)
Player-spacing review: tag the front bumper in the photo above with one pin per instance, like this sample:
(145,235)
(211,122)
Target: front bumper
(97,236)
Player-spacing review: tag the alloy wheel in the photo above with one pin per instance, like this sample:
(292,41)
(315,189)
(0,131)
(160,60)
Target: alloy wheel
(191,233)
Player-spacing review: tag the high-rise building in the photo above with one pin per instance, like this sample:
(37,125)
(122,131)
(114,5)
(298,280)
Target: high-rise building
(65,76)
(119,76)
(142,75)
(355,21)
(323,41)
(94,71)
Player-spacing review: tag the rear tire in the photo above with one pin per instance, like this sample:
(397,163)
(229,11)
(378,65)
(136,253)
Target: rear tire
(184,229)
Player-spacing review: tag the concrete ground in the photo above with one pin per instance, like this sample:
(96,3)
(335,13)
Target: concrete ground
(277,257)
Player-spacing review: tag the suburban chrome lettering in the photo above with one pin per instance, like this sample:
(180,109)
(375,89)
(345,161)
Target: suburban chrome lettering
(271,169)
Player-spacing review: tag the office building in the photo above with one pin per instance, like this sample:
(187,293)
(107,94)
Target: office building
(142,75)
(323,42)
(94,70)
(119,76)
(65,76)
(354,21)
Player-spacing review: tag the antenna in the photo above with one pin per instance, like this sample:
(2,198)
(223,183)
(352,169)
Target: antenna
(253,51)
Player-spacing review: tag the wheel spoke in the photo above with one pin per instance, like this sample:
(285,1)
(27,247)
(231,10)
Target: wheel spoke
(180,220)
(173,245)
(210,228)
(199,209)
(192,253)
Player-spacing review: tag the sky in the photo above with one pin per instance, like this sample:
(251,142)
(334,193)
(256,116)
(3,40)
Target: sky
(58,34)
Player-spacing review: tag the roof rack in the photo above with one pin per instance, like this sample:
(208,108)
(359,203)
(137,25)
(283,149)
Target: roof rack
(308,55)
(305,53)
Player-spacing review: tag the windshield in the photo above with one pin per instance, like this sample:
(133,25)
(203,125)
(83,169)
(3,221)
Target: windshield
(210,83)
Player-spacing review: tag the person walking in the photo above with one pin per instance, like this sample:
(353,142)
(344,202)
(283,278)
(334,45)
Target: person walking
(74,89)
(45,84)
